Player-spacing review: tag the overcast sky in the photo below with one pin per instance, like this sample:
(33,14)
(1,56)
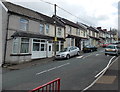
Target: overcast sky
(102,13)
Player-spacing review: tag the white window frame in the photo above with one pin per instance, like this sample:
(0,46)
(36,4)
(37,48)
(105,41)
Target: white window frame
(25,23)
(45,44)
(41,26)
(19,47)
(47,28)
(59,31)
(27,43)
(69,30)
(78,32)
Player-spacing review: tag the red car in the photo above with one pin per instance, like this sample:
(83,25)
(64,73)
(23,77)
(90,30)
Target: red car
(105,45)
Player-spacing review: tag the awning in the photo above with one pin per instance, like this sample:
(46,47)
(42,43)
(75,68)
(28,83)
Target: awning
(32,35)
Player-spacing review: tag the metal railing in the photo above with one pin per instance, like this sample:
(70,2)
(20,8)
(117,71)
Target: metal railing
(52,86)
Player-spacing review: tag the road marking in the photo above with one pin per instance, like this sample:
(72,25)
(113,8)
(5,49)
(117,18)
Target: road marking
(79,57)
(97,54)
(105,67)
(87,56)
(52,69)
(98,77)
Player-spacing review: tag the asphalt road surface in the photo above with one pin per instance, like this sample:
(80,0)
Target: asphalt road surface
(76,73)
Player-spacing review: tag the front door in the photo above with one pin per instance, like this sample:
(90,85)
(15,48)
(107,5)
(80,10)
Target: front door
(50,50)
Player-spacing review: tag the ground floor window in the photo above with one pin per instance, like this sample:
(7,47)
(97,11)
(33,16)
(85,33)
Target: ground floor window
(36,46)
(20,45)
(24,45)
(57,46)
(62,45)
(72,42)
(39,45)
(16,45)
(42,47)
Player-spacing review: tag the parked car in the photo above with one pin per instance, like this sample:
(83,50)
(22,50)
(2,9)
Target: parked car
(105,45)
(117,42)
(112,50)
(89,48)
(68,52)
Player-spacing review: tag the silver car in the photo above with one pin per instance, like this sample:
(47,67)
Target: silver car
(112,50)
(68,52)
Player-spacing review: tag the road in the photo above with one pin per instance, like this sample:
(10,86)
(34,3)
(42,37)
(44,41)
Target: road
(76,73)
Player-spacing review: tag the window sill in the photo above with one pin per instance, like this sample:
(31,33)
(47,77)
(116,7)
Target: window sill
(20,54)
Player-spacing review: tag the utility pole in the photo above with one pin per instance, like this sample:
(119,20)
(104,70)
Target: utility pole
(55,39)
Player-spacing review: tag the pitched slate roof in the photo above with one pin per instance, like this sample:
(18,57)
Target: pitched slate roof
(93,29)
(16,9)
(13,8)
(66,22)
(82,26)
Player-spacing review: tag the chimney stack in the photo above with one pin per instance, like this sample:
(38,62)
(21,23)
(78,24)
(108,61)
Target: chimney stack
(99,28)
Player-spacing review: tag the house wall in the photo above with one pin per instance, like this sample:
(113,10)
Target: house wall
(33,27)
(3,27)
(14,23)
(68,41)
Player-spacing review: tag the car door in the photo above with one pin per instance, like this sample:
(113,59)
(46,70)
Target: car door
(71,51)
(75,50)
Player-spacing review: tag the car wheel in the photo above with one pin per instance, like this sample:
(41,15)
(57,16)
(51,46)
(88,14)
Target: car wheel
(78,53)
(68,56)
(105,54)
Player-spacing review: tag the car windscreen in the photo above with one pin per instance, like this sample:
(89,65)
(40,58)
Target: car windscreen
(64,50)
(111,47)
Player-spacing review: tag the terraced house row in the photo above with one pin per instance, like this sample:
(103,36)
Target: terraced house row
(28,35)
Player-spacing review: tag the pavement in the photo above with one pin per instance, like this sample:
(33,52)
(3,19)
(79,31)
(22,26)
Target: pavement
(109,82)
(28,64)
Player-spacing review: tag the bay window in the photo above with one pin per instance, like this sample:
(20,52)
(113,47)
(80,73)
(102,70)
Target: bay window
(24,45)
(20,45)
(16,45)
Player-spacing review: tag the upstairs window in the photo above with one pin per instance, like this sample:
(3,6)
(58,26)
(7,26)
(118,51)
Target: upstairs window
(77,31)
(59,31)
(47,28)
(23,24)
(41,28)
(70,30)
